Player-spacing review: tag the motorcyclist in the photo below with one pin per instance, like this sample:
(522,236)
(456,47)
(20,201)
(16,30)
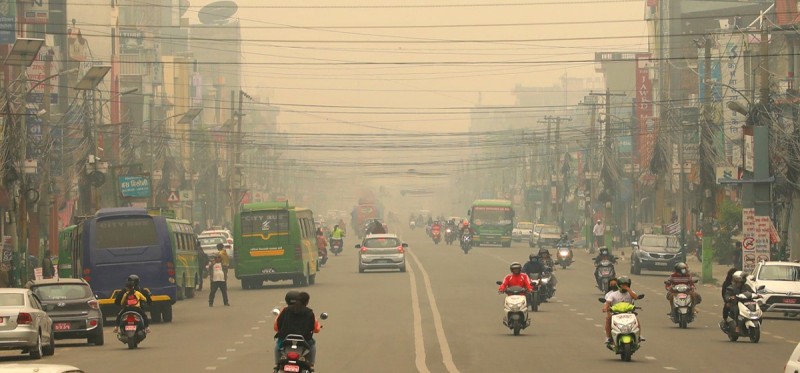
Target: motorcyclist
(534,265)
(322,245)
(623,294)
(544,256)
(436,227)
(603,255)
(681,275)
(516,278)
(564,242)
(131,300)
(736,287)
(134,279)
(297,318)
(337,233)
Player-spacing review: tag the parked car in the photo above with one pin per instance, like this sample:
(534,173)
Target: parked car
(224,232)
(545,236)
(72,306)
(209,244)
(793,365)
(38,368)
(382,251)
(24,325)
(522,231)
(656,252)
(782,286)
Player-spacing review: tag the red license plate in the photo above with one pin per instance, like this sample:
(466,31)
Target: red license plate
(790,300)
(291,368)
(681,295)
(62,326)
(130,328)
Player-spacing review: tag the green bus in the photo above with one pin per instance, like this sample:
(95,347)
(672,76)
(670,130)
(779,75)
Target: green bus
(274,241)
(184,247)
(492,220)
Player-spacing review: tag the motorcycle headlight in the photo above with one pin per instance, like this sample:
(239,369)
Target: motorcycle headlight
(545,280)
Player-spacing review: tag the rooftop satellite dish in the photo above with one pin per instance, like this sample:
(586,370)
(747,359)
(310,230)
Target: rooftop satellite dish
(218,12)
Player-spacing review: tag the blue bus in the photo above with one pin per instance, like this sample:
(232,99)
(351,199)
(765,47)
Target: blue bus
(118,242)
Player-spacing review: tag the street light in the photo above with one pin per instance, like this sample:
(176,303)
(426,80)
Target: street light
(93,77)
(22,54)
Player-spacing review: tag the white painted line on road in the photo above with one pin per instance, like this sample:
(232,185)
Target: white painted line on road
(670,368)
(248,335)
(791,341)
(589,319)
(444,347)
(581,314)
(598,326)
(650,357)
(767,333)
(419,342)
(777,337)
(255,328)
(565,305)
(222,358)
(573,309)
(211,368)
(230,350)
(238,342)
(262,321)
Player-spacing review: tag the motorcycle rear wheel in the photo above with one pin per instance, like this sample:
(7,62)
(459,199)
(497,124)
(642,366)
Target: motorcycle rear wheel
(132,343)
(683,321)
(535,301)
(732,335)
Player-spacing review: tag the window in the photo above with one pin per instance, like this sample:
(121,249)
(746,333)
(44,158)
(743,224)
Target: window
(62,291)
(125,233)
(265,222)
(779,273)
(12,300)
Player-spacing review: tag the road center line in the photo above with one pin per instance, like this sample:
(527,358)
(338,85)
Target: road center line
(419,342)
(444,347)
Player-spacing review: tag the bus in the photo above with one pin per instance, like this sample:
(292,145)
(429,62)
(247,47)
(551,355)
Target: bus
(274,242)
(492,220)
(66,239)
(118,242)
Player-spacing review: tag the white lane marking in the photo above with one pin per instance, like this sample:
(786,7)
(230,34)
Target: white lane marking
(777,337)
(230,350)
(238,342)
(670,368)
(589,319)
(791,341)
(581,314)
(573,309)
(650,357)
(255,328)
(598,326)
(262,321)
(767,333)
(222,358)
(211,368)
(444,347)
(248,335)
(419,342)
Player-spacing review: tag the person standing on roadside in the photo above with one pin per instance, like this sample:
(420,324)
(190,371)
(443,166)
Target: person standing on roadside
(218,281)
(599,231)
(226,260)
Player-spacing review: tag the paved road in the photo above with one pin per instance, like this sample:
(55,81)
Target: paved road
(443,315)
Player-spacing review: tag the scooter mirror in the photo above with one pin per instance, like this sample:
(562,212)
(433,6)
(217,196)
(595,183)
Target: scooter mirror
(762,287)
(601,300)
(666,282)
(499,282)
(695,281)
(276,311)
(640,296)
(323,316)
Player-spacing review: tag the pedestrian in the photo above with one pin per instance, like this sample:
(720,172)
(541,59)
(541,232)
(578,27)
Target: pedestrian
(226,260)
(599,231)
(47,266)
(5,279)
(202,263)
(218,281)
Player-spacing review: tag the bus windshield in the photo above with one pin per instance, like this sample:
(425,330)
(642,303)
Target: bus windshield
(262,222)
(491,215)
(125,233)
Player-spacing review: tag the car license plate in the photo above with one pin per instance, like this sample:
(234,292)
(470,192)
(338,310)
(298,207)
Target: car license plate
(130,328)
(661,264)
(682,296)
(790,300)
(62,326)
(291,368)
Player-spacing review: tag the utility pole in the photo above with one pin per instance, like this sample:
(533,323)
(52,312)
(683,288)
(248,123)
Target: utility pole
(235,177)
(608,151)
(707,161)
(47,206)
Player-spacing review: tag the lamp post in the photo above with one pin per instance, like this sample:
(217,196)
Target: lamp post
(22,55)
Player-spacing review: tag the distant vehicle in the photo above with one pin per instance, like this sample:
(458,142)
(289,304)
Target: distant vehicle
(38,368)
(224,232)
(275,241)
(546,236)
(492,220)
(209,244)
(24,325)
(522,231)
(72,306)
(793,365)
(782,286)
(382,251)
(656,253)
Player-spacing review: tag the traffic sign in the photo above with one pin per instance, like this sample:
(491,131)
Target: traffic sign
(174,196)
(186,196)
(749,243)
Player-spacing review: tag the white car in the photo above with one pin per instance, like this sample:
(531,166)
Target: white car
(793,365)
(522,231)
(782,286)
(38,368)
(224,232)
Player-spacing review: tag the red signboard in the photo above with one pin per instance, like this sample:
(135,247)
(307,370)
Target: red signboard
(644,109)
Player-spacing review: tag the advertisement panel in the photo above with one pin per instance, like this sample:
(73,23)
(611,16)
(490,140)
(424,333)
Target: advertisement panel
(134,186)
(644,109)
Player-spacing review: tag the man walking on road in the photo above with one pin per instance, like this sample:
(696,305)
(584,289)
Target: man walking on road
(218,281)
(599,230)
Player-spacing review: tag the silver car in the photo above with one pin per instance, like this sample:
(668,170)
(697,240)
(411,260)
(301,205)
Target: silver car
(382,251)
(24,325)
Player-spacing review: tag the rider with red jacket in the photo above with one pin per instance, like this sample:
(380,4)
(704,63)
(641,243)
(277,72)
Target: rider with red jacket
(516,278)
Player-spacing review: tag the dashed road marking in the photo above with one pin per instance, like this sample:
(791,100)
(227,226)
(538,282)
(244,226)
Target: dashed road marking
(589,319)
(650,357)
(262,321)
(581,313)
(598,326)
(573,309)
(238,342)
(230,350)
(767,333)
(248,335)
(670,368)
(791,341)
(222,358)
(211,368)
(255,328)
(777,337)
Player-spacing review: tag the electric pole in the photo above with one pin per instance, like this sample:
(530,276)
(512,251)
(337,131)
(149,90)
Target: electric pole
(608,161)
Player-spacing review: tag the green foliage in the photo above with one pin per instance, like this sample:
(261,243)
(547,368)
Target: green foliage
(730,223)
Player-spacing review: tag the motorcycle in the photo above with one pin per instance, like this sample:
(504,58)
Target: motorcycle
(749,319)
(466,242)
(534,298)
(336,246)
(293,351)
(436,235)
(515,308)
(323,257)
(625,332)
(544,283)
(131,329)
(564,258)
(449,236)
(682,312)
(605,272)
(412,224)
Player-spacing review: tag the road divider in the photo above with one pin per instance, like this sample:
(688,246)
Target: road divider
(419,341)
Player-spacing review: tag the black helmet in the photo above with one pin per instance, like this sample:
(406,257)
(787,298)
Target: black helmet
(515,265)
(130,285)
(533,258)
(134,279)
(291,297)
(681,268)
(603,250)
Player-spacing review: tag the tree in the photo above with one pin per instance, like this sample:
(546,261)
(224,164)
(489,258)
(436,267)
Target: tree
(730,221)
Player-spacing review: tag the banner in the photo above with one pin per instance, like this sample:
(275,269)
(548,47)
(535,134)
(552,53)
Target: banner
(644,110)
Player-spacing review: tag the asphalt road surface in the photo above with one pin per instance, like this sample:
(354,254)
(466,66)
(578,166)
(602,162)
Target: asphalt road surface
(443,315)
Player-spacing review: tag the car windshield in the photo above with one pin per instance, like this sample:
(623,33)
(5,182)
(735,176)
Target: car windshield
(381,243)
(12,300)
(668,243)
(211,241)
(62,291)
(525,225)
(779,273)
(549,230)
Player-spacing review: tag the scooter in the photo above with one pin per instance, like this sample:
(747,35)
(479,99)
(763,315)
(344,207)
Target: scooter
(294,351)
(466,243)
(682,312)
(547,283)
(436,235)
(131,329)
(323,257)
(564,258)
(625,334)
(515,309)
(336,246)
(449,236)
(412,224)
(605,272)
(749,319)
(535,298)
